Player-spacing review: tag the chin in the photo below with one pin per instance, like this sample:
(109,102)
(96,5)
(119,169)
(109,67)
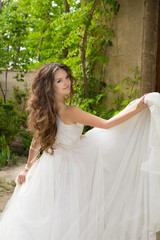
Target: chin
(67,91)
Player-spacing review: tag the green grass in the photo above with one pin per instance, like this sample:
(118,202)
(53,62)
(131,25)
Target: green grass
(5,185)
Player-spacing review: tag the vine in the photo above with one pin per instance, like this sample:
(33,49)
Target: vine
(73,32)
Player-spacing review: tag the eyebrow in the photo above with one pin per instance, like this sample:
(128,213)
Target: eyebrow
(61,78)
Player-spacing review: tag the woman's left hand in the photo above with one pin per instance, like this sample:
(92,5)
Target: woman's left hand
(22,177)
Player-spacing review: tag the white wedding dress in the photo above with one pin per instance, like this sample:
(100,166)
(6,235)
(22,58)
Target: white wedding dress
(104,185)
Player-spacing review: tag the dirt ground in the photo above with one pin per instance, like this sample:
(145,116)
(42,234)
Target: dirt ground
(7,181)
(7,184)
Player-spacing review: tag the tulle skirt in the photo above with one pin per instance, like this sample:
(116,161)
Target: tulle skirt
(106,186)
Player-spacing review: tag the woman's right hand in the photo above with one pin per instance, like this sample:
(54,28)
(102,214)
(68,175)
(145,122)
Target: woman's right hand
(22,177)
(141,104)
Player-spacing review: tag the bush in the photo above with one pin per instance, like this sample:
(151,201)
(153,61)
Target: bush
(4,156)
(13,124)
(3,142)
(9,121)
(20,99)
(14,159)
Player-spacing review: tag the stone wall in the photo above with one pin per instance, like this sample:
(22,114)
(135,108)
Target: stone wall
(12,82)
(135,43)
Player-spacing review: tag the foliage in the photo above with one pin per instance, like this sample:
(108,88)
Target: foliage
(42,31)
(9,121)
(13,30)
(20,103)
(13,120)
(14,159)
(116,97)
(125,92)
(38,31)
(4,156)
(3,143)
(20,100)
(26,138)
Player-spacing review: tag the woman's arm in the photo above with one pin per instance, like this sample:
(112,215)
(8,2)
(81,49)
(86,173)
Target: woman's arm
(33,153)
(75,114)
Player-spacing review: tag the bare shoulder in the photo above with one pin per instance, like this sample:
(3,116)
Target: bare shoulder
(71,113)
(72,109)
(67,114)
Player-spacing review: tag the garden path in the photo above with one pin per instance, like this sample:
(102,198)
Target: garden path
(7,181)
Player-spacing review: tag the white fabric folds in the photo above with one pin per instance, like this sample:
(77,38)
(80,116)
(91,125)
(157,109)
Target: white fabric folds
(104,185)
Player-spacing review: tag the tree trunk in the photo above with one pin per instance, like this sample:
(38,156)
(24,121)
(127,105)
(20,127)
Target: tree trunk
(1,5)
(6,86)
(19,47)
(44,29)
(83,50)
(3,93)
(67,9)
(39,47)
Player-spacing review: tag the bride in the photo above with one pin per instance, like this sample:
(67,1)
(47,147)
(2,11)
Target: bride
(99,186)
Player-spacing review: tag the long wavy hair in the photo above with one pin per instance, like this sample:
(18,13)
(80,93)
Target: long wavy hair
(42,106)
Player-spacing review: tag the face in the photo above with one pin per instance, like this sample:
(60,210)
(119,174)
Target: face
(62,82)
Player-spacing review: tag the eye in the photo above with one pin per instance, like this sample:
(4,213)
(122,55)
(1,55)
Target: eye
(59,80)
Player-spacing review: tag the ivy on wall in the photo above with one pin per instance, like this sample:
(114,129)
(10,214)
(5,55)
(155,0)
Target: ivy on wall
(73,32)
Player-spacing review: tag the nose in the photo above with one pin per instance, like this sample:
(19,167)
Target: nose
(67,81)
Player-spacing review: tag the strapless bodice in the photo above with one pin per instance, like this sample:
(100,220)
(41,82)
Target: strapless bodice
(67,135)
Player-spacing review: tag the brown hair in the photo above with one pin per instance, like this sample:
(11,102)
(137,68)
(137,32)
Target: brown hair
(42,105)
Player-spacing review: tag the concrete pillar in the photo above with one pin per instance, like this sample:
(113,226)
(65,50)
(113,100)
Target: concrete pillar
(149,45)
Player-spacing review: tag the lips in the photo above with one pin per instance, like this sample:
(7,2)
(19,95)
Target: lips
(66,88)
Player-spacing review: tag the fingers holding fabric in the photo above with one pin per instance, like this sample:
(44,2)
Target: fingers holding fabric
(21,177)
(141,104)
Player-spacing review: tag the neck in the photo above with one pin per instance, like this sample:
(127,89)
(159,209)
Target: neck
(60,102)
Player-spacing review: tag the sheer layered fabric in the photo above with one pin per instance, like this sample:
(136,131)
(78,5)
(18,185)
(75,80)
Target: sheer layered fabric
(104,185)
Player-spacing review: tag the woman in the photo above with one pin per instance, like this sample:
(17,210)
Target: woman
(88,186)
